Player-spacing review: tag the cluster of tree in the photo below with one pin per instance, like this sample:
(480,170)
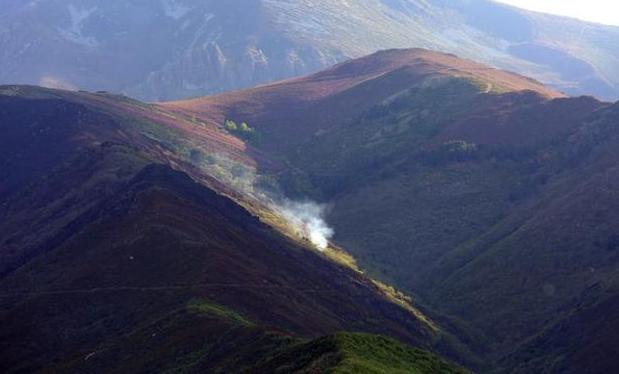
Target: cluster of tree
(243,130)
(243,127)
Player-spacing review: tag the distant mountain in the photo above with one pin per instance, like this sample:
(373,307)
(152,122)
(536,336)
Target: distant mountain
(482,192)
(123,250)
(171,49)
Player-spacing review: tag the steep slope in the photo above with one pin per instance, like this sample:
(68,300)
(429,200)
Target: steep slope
(45,129)
(553,259)
(172,49)
(492,202)
(498,223)
(163,240)
(112,260)
(579,342)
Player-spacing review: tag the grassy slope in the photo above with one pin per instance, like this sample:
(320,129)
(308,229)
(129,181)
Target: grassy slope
(208,337)
(552,261)
(582,340)
(197,337)
(289,112)
(355,353)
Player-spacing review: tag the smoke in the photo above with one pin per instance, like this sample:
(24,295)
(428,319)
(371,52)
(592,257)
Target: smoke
(307,218)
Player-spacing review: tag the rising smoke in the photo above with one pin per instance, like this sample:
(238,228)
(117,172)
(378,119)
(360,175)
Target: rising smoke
(308,219)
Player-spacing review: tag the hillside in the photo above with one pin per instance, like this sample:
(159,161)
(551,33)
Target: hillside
(490,199)
(173,49)
(582,338)
(355,353)
(291,111)
(130,231)
(121,251)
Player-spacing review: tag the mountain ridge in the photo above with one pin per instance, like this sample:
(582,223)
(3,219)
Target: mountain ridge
(185,48)
(348,88)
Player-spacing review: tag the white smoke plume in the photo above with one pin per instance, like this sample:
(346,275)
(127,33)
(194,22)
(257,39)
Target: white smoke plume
(308,218)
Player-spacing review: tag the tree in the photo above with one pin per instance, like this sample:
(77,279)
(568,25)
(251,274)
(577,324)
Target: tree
(231,125)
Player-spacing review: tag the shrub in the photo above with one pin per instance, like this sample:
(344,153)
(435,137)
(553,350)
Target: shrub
(230,125)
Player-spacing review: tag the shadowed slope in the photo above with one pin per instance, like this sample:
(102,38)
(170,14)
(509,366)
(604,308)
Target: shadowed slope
(161,240)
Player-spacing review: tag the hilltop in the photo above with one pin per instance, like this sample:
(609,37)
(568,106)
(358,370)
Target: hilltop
(293,110)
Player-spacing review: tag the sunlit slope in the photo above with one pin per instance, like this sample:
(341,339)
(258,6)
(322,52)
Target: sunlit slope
(291,111)
(355,353)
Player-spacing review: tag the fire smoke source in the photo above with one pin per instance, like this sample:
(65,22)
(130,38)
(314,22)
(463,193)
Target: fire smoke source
(308,219)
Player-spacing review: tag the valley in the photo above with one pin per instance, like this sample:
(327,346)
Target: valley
(473,213)
(481,204)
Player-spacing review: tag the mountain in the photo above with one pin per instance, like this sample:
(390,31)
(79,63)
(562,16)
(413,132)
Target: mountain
(146,237)
(486,195)
(172,49)
(294,110)
(121,253)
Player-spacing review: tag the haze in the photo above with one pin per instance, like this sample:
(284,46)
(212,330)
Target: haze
(600,11)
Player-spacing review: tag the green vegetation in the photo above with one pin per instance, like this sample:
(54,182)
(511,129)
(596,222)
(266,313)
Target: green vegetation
(243,131)
(415,184)
(230,125)
(496,209)
(204,307)
(364,353)
(381,141)
(351,353)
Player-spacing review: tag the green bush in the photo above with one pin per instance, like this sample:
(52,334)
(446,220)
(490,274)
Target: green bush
(230,125)
(243,131)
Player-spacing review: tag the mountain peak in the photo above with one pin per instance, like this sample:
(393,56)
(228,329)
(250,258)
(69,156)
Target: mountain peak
(424,62)
(317,102)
